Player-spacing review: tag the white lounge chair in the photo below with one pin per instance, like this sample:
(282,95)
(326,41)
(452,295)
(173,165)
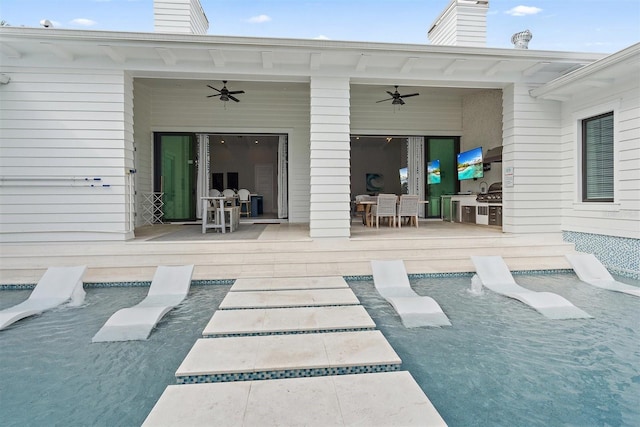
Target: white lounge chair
(495,275)
(57,286)
(392,283)
(169,287)
(590,270)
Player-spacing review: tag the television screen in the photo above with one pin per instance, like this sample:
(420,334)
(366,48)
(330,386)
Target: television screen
(470,164)
(433,172)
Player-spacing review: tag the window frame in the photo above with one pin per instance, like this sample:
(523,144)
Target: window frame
(583,122)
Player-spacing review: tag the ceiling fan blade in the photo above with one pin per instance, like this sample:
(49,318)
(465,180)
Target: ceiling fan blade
(211,96)
(214,88)
(383,100)
(233,98)
(411,94)
(390,93)
(234,92)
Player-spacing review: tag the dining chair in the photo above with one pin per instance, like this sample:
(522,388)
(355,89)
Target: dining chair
(244,196)
(408,207)
(385,207)
(230,197)
(214,193)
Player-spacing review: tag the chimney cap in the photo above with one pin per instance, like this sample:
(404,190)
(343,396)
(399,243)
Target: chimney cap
(521,39)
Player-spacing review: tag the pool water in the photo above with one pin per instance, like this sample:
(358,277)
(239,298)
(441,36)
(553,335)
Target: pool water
(51,373)
(502,363)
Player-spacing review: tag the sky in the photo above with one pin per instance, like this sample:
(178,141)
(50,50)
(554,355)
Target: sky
(560,25)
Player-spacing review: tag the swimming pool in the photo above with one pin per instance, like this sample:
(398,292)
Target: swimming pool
(504,364)
(51,373)
(501,363)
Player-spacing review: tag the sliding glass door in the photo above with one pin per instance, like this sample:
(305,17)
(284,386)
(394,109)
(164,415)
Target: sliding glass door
(441,152)
(175,174)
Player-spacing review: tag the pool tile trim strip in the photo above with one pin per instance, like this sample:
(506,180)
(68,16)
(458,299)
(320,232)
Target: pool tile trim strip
(267,333)
(288,373)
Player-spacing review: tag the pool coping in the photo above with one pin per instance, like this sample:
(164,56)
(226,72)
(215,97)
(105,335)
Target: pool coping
(209,282)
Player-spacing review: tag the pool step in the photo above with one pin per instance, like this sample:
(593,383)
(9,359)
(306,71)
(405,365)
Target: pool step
(137,260)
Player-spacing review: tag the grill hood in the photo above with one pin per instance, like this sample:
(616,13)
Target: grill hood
(494,155)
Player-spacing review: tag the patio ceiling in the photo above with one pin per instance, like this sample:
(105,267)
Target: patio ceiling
(240,58)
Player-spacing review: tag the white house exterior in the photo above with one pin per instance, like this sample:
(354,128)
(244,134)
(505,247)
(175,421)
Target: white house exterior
(79,114)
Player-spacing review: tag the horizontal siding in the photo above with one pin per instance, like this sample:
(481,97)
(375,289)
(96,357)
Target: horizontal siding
(621,218)
(58,127)
(330,206)
(531,147)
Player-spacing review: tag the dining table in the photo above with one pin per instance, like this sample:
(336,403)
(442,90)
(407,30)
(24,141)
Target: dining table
(218,223)
(366,220)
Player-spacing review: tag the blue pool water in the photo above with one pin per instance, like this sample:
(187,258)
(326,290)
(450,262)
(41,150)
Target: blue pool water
(51,373)
(500,364)
(504,364)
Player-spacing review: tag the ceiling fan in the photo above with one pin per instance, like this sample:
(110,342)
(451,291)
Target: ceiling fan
(224,93)
(396,98)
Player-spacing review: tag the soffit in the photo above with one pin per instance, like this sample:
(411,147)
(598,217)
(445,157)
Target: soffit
(188,56)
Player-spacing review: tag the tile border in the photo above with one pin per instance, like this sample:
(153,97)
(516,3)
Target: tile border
(288,373)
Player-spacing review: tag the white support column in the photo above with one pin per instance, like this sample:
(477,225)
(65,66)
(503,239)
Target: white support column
(330,206)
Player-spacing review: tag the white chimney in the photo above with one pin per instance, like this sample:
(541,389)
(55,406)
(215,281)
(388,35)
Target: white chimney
(462,23)
(521,40)
(179,16)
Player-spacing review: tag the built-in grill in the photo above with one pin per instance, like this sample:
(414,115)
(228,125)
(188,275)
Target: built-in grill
(493,194)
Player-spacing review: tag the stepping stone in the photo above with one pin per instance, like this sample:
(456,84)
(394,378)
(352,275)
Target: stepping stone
(287,356)
(289,298)
(288,283)
(390,398)
(288,320)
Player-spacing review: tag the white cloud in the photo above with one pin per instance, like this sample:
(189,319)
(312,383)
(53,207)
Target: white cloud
(83,22)
(321,37)
(259,19)
(523,10)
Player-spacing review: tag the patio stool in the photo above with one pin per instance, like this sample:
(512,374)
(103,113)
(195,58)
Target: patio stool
(232,217)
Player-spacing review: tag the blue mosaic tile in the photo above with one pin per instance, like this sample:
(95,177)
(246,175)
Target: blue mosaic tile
(289,373)
(621,255)
(310,331)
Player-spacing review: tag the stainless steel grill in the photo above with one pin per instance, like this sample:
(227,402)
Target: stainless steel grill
(493,194)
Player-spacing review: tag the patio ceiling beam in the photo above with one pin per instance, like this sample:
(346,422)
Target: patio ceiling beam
(315,60)
(9,51)
(491,71)
(408,65)
(217,56)
(267,59)
(114,54)
(363,61)
(453,66)
(167,55)
(535,68)
(599,82)
(59,51)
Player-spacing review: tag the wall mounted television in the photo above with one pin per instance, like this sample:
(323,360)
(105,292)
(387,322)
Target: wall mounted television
(433,172)
(470,164)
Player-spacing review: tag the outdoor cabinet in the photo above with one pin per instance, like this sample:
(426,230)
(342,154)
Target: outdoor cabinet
(495,215)
(469,214)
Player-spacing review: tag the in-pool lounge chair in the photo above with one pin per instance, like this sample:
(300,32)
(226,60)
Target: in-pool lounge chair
(57,286)
(590,270)
(392,283)
(495,275)
(169,287)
